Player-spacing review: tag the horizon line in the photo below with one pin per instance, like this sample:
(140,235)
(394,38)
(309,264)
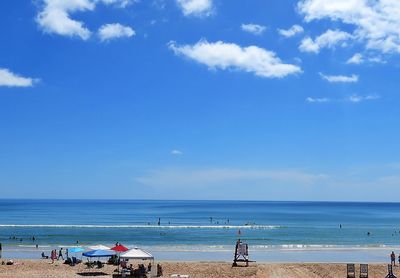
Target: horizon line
(198,200)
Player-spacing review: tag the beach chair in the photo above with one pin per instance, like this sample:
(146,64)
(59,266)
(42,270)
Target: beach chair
(180,276)
(351,271)
(363,271)
(390,272)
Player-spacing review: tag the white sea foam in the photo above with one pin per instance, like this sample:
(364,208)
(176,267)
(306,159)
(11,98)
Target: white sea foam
(261,227)
(227,248)
(272,248)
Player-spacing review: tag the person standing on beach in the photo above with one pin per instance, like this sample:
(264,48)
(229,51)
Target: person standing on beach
(393,258)
(60,254)
(53,256)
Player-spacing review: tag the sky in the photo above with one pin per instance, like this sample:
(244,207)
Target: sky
(200,99)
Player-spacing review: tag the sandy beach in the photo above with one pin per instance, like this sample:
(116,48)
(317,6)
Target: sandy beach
(44,268)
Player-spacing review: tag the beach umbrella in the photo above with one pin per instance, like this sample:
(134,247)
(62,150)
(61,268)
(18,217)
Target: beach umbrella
(99,247)
(76,249)
(120,248)
(137,254)
(99,253)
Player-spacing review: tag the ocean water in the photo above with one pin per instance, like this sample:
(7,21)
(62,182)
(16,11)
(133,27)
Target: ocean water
(274,230)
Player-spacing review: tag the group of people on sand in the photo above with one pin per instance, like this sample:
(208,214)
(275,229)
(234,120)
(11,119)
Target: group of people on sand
(54,255)
(141,270)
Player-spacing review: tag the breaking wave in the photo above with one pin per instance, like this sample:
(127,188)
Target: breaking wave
(260,227)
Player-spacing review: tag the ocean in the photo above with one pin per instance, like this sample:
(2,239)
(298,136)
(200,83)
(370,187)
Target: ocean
(275,231)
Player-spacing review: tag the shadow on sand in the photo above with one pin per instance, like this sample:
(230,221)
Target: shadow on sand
(97,273)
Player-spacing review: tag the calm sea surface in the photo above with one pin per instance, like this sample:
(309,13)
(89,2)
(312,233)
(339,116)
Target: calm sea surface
(199,225)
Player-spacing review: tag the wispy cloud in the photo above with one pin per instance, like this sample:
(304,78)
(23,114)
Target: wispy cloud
(253,28)
(10,79)
(358,98)
(205,177)
(200,8)
(221,55)
(176,152)
(353,99)
(358,58)
(377,23)
(292,31)
(120,3)
(329,39)
(318,100)
(340,78)
(113,31)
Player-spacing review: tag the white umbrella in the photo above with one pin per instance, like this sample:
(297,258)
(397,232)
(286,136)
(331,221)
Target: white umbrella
(137,254)
(99,247)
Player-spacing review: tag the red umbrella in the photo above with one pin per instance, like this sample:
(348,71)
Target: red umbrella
(119,248)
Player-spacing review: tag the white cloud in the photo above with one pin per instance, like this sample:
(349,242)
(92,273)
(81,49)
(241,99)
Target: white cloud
(221,55)
(377,23)
(357,98)
(355,59)
(340,78)
(55,17)
(205,177)
(176,152)
(329,39)
(352,98)
(377,60)
(10,79)
(121,3)
(358,58)
(292,31)
(253,28)
(196,7)
(113,31)
(318,100)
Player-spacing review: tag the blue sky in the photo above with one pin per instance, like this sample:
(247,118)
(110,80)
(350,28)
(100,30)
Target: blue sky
(200,99)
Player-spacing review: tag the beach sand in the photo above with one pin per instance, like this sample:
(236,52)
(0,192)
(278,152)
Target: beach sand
(44,268)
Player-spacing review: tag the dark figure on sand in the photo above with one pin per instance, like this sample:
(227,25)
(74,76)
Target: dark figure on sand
(60,255)
(159,270)
(393,259)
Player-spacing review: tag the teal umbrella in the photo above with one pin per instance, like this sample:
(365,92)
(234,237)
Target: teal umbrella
(76,249)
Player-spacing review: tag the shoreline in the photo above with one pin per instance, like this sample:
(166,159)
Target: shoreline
(342,255)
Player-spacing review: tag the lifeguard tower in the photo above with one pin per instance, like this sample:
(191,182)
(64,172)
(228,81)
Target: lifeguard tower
(241,254)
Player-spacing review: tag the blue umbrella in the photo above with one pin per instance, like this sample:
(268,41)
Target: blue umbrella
(76,249)
(99,253)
